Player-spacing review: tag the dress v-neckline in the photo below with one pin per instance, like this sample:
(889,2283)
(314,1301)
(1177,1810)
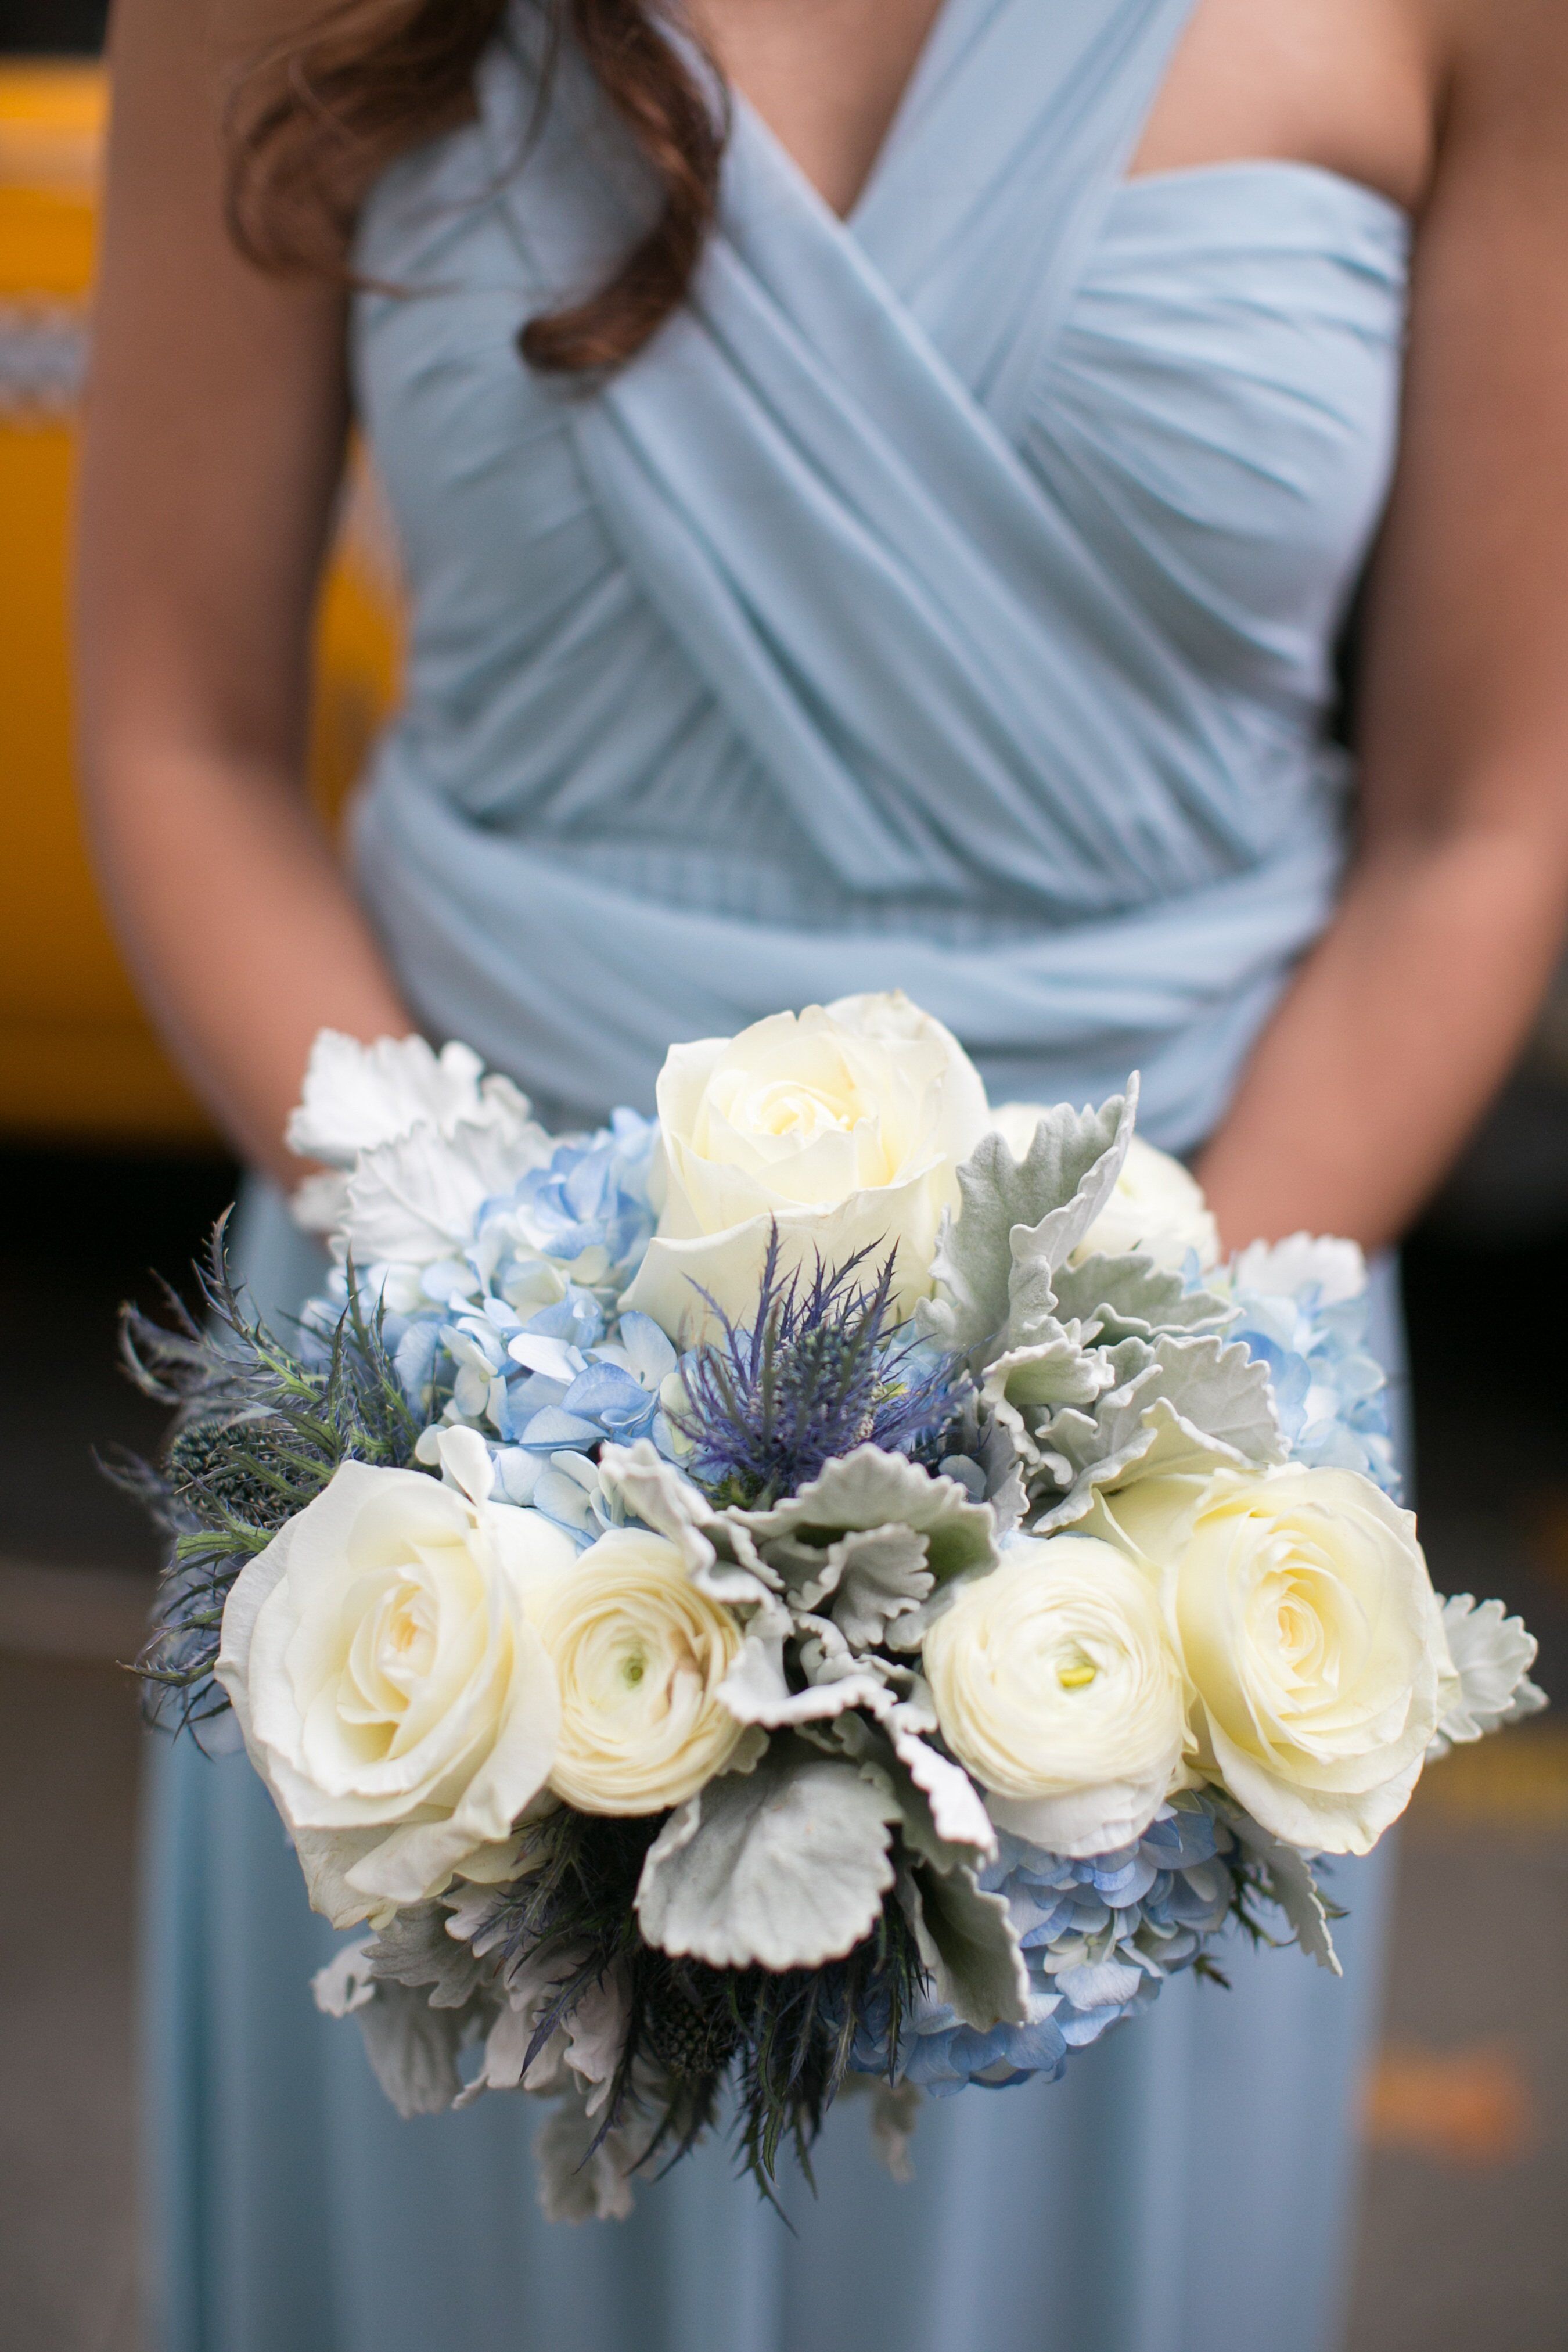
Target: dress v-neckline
(946,26)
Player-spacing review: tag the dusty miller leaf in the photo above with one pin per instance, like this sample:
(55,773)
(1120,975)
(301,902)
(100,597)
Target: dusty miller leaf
(1217,1388)
(1291,1886)
(784,1867)
(881,1576)
(718,1552)
(895,2112)
(872,1489)
(756,1691)
(981,1971)
(1132,1298)
(942,1818)
(575,2185)
(415,1948)
(1054,1194)
(1186,1403)
(411,2048)
(1028,1386)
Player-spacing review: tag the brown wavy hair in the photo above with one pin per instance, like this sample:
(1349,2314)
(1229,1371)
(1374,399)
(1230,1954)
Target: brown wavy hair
(313,121)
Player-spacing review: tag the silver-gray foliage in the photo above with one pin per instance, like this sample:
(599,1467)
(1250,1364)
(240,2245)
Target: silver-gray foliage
(786,1866)
(1181,1402)
(1132,1298)
(1053,1195)
(416,1948)
(1292,1886)
(413,2048)
(968,1942)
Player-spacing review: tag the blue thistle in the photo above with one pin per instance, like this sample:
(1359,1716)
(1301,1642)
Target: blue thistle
(825,1366)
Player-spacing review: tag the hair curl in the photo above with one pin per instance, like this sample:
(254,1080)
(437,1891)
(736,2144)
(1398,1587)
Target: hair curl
(313,119)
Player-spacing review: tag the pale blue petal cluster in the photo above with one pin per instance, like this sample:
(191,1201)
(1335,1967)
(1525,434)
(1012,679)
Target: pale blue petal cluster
(569,1387)
(1100,1938)
(1330,1391)
(589,1208)
(519,1336)
(566,1380)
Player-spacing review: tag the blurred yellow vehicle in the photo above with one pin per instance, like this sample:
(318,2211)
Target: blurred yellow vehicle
(77,1058)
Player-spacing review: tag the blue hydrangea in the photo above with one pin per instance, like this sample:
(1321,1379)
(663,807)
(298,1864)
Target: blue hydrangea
(558,1384)
(520,1337)
(1330,1391)
(1100,1938)
(589,1208)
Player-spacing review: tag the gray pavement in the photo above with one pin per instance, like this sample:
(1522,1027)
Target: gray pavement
(69,1743)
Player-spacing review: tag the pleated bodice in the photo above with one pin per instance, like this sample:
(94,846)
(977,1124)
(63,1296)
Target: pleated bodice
(946,598)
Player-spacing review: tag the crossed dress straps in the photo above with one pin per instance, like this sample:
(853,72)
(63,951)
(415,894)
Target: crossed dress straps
(916,663)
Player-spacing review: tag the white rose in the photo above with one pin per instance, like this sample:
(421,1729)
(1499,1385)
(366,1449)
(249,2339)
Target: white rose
(1055,1685)
(1156,1206)
(392,1691)
(845,1125)
(639,1652)
(1307,1624)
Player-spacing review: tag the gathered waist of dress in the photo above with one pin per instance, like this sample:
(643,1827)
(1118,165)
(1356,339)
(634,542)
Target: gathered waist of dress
(576,983)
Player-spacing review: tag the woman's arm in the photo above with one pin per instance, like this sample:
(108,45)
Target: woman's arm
(215,427)
(1402,1025)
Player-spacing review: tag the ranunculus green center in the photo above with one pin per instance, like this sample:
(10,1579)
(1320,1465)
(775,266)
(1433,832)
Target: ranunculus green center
(638,1652)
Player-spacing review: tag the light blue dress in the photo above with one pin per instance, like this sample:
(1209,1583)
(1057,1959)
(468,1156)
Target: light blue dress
(945,600)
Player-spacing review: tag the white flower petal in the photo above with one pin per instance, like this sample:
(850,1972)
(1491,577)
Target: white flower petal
(1056,1687)
(845,1125)
(1491,1654)
(356,1097)
(390,1685)
(1302,1605)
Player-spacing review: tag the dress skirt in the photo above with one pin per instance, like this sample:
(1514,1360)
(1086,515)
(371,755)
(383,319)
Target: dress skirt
(1187,2187)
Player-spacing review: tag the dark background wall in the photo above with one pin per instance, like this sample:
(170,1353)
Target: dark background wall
(57,27)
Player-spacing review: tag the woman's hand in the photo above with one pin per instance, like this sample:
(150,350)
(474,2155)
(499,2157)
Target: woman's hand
(216,428)
(1404,1022)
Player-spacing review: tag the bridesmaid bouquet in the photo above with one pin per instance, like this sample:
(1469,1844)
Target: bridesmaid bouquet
(835,1587)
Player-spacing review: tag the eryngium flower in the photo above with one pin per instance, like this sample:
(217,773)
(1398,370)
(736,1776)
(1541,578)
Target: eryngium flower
(825,1366)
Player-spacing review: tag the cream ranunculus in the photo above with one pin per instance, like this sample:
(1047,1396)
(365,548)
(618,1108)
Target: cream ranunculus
(1305,1617)
(639,1652)
(845,1125)
(1156,1207)
(392,1690)
(1055,1685)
